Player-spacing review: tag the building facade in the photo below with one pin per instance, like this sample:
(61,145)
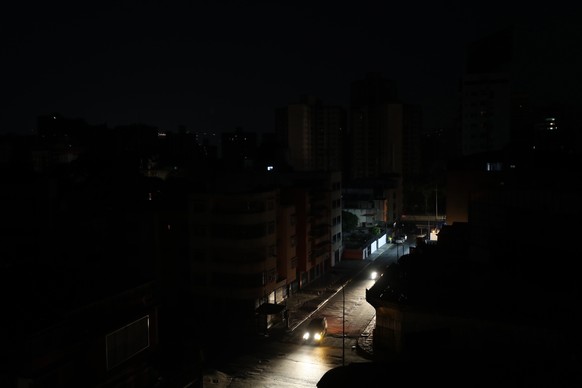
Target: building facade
(312,134)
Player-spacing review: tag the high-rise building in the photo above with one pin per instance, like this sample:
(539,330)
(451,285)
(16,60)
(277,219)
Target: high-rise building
(375,145)
(233,247)
(312,133)
(253,238)
(376,126)
(486,94)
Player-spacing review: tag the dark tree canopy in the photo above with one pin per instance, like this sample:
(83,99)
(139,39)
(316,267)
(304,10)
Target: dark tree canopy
(349,221)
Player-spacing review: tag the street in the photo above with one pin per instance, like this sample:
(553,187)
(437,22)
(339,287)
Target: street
(288,362)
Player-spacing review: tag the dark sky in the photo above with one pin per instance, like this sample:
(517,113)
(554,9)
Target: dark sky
(217,65)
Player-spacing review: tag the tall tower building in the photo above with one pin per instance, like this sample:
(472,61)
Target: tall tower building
(312,134)
(412,141)
(376,129)
(486,95)
(375,147)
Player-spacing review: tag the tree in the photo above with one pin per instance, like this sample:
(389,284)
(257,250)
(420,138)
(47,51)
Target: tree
(349,221)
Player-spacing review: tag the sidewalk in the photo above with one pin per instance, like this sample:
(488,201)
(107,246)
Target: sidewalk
(304,303)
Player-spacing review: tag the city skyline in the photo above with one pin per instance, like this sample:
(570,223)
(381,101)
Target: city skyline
(219,66)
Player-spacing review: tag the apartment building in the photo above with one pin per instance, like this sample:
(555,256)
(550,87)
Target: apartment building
(312,133)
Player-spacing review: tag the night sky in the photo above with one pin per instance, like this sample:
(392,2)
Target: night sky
(218,65)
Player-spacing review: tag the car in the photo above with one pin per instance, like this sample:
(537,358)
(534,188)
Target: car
(315,330)
(399,239)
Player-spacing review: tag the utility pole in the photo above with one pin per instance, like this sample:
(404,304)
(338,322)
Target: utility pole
(426,194)
(344,325)
(436,203)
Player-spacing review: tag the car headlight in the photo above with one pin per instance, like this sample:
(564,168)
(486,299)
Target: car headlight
(306,336)
(317,336)
(373,275)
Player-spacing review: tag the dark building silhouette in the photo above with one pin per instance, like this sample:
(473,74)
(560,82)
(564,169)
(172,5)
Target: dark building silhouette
(381,148)
(493,294)
(239,149)
(312,133)
(81,264)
